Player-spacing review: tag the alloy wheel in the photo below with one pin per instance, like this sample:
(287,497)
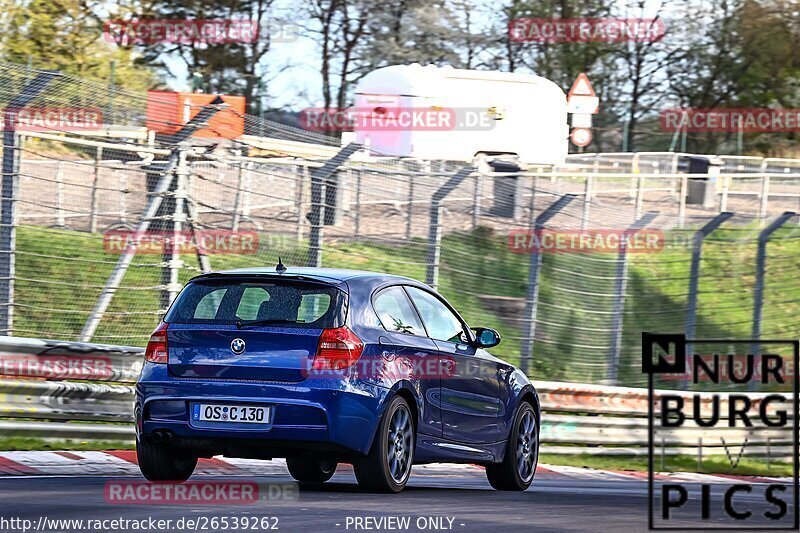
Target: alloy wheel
(527,446)
(399,446)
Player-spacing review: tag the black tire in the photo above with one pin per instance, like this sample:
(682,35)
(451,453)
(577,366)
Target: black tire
(377,472)
(516,472)
(305,470)
(164,463)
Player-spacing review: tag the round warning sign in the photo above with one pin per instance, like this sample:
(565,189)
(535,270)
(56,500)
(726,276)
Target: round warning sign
(581,136)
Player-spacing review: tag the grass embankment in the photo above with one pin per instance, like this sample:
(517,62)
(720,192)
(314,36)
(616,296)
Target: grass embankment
(37,444)
(61,273)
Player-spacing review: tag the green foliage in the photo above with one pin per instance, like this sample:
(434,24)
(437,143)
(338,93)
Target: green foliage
(67,36)
(224,67)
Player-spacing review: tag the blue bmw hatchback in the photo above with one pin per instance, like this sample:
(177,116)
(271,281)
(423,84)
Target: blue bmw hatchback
(323,366)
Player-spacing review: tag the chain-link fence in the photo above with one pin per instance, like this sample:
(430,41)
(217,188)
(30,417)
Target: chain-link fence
(100,226)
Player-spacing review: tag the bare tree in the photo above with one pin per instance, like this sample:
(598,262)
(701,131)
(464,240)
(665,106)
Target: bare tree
(642,64)
(340,26)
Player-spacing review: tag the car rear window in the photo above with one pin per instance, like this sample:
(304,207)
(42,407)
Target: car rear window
(286,303)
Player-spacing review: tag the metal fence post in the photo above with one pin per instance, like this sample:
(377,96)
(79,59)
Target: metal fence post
(435,230)
(247,179)
(410,215)
(476,209)
(694,270)
(758,290)
(237,201)
(320,178)
(723,197)
(193,222)
(60,221)
(357,216)
(532,294)
(174,263)
(639,197)
(618,309)
(302,173)
(95,183)
(634,170)
(123,198)
(763,198)
(587,201)
(8,194)
(682,200)
(154,202)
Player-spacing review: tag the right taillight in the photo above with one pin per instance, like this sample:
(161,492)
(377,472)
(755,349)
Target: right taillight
(157,351)
(338,348)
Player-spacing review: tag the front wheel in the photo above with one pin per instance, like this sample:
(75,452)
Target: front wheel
(388,465)
(522,453)
(305,470)
(164,463)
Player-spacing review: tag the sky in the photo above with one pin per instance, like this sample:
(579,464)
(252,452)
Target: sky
(292,65)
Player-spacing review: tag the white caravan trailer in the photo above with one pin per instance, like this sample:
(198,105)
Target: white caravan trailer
(492,113)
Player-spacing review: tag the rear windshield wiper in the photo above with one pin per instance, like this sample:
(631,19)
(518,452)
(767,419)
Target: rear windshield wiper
(268,322)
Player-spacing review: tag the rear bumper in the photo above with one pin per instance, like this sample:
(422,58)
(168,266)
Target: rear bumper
(313,414)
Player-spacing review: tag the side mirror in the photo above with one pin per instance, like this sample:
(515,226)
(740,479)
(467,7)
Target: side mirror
(486,337)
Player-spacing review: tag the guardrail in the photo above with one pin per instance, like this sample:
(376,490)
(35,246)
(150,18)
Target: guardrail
(76,390)
(603,420)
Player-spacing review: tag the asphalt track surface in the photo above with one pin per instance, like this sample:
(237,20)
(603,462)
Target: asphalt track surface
(428,503)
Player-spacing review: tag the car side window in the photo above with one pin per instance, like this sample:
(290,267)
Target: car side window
(396,313)
(441,323)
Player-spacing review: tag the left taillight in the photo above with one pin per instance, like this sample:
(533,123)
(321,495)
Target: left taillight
(157,351)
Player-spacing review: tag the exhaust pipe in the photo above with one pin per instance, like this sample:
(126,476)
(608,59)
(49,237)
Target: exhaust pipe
(161,436)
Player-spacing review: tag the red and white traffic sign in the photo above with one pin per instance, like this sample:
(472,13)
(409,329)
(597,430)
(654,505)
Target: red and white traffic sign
(581,136)
(581,98)
(582,86)
(581,120)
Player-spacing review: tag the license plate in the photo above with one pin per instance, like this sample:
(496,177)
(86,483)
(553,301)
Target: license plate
(240,414)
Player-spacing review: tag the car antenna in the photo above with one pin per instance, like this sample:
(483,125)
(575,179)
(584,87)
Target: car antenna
(281,268)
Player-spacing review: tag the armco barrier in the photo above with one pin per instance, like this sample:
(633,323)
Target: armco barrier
(53,382)
(82,401)
(29,358)
(603,420)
